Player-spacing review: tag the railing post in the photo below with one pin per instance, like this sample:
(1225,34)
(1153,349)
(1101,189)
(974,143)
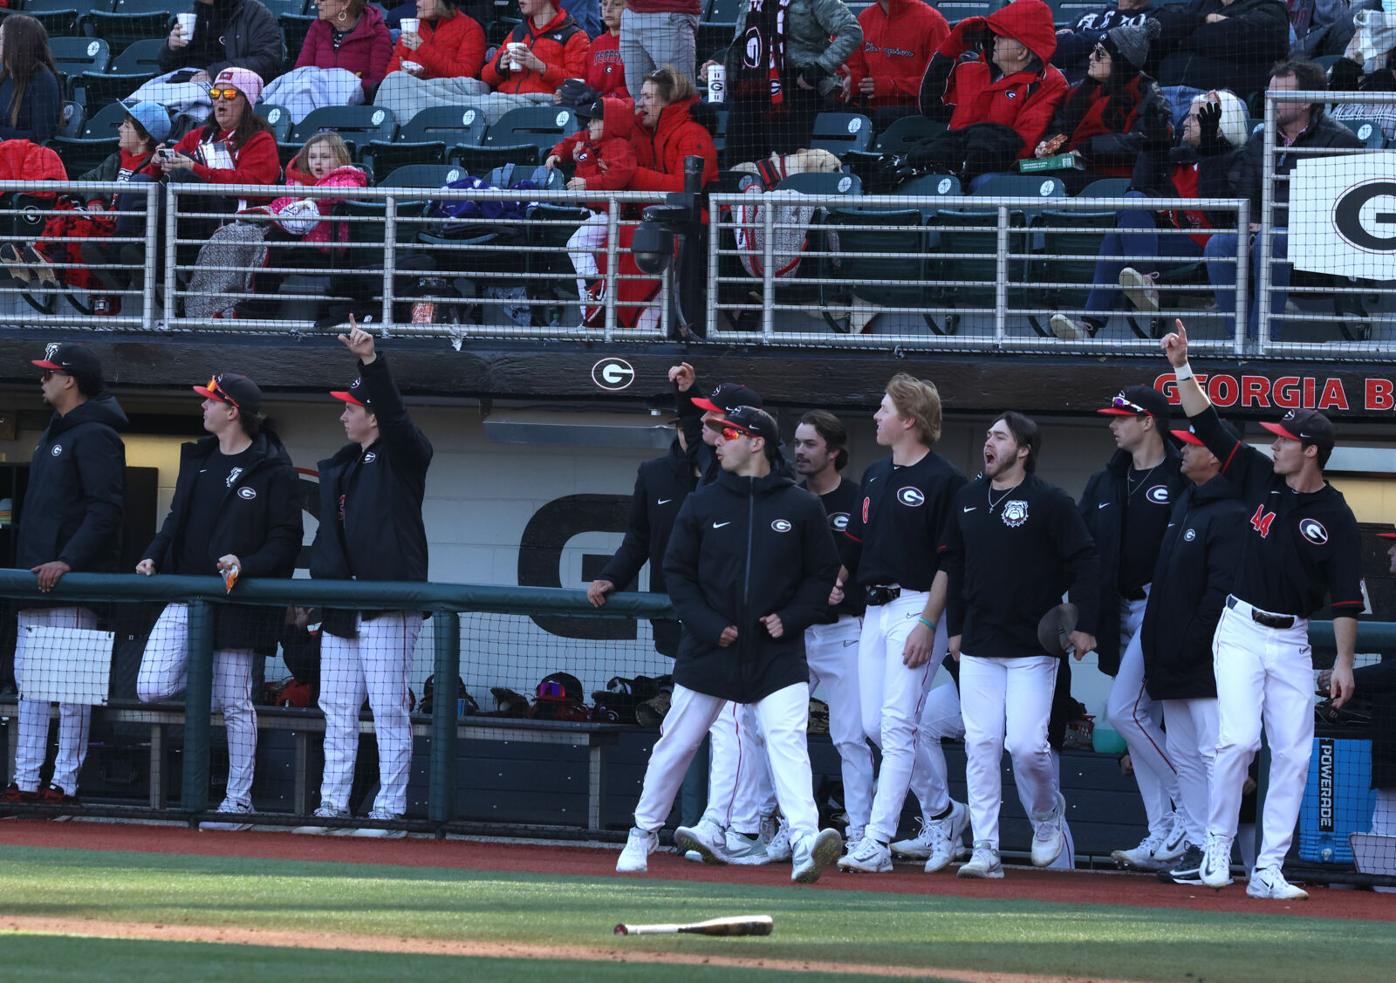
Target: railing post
(768,280)
(171,281)
(198,699)
(1243,265)
(714,234)
(152,239)
(1001,277)
(441,796)
(1267,200)
(612,261)
(389,257)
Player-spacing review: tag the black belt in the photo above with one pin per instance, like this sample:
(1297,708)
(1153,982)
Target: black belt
(880,594)
(1280,621)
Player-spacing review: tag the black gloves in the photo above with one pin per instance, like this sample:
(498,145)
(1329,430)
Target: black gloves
(1209,126)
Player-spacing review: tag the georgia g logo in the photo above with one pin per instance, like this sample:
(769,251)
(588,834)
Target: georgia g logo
(911,496)
(1313,531)
(781,525)
(1157,494)
(246,493)
(1015,513)
(57,450)
(838,521)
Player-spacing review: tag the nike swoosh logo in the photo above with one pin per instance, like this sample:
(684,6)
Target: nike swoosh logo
(1102,505)
(1172,524)
(719,525)
(871,480)
(846,644)
(664,501)
(971,508)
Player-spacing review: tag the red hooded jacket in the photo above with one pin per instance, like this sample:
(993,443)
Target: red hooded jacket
(365,51)
(609,164)
(1024,101)
(561,45)
(897,45)
(451,48)
(660,152)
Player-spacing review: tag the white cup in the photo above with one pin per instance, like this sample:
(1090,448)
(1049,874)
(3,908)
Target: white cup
(516,48)
(717,83)
(410,25)
(186,25)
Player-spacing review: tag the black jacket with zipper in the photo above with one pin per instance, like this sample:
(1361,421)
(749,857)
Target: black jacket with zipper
(76,490)
(661,487)
(743,548)
(1196,568)
(259,522)
(1102,505)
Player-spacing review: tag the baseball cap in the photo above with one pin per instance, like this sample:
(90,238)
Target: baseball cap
(1188,436)
(1386,535)
(76,360)
(596,109)
(575,93)
(750,420)
(1138,401)
(355,394)
(728,396)
(230,387)
(151,116)
(1305,426)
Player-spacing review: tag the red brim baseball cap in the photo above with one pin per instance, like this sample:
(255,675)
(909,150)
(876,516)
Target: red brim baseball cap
(1386,535)
(1279,430)
(44,363)
(707,405)
(1185,436)
(208,393)
(347,396)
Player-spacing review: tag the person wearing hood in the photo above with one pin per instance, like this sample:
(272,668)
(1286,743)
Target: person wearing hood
(1196,167)
(993,81)
(69,519)
(1194,573)
(227,34)
(371,528)
(603,159)
(1105,118)
(236,512)
(1214,44)
(749,567)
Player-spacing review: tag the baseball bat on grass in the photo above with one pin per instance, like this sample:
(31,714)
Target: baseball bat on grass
(740,925)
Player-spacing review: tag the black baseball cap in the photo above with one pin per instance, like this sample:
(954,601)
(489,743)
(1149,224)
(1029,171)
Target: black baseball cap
(76,360)
(234,389)
(1189,436)
(750,420)
(356,394)
(1138,401)
(1305,426)
(728,396)
(596,109)
(575,93)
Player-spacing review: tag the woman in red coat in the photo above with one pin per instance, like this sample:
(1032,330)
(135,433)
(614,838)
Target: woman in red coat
(438,64)
(349,35)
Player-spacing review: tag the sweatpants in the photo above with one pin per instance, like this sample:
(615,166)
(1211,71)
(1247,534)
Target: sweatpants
(1135,717)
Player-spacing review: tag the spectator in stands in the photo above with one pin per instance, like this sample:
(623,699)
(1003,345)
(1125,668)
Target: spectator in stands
(999,100)
(350,34)
(1075,43)
(1216,44)
(227,34)
(1346,76)
(1300,126)
(31,102)
(235,146)
(547,48)
(1195,168)
(1104,119)
(606,73)
(1321,27)
(884,75)
(766,118)
(658,33)
(437,66)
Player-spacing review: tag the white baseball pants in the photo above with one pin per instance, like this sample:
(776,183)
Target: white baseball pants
(373,665)
(1192,747)
(1006,705)
(74,719)
(1135,717)
(892,697)
(583,246)
(783,717)
(164,673)
(832,653)
(1264,679)
(739,783)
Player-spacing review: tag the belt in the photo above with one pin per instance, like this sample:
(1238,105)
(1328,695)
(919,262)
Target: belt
(1279,621)
(879,594)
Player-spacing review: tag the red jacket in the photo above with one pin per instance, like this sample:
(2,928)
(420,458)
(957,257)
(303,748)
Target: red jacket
(22,160)
(451,48)
(606,73)
(659,153)
(1024,100)
(897,45)
(608,165)
(561,45)
(365,51)
(254,163)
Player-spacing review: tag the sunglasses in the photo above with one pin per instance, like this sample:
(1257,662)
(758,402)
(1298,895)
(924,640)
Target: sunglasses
(49,374)
(1099,52)
(228,94)
(733,433)
(1120,403)
(220,394)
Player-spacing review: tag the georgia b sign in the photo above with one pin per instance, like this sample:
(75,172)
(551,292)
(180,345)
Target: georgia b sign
(1342,216)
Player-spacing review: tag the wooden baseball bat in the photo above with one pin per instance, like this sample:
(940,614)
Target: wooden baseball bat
(739,925)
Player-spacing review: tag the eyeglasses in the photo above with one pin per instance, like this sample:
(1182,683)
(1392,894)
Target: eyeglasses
(220,394)
(228,94)
(1120,403)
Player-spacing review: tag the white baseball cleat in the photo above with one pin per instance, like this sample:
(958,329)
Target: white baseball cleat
(778,847)
(634,859)
(706,838)
(870,856)
(1216,862)
(813,855)
(229,807)
(918,847)
(743,850)
(380,815)
(323,812)
(1173,842)
(1269,884)
(949,835)
(1140,857)
(983,864)
(1048,836)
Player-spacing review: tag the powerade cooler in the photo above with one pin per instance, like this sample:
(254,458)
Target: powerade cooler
(1338,799)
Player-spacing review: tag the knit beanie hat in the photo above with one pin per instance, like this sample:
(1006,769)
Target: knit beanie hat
(1131,42)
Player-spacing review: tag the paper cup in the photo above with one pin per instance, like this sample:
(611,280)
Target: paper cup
(410,25)
(186,24)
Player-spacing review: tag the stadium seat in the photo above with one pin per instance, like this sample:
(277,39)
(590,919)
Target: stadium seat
(821,184)
(481,160)
(717,27)
(128,21)
(905,132)
(1106,187)
(283,8)
(295,27)
(356,124)
(963,243)
(927,186)
(390,155)
(74,55)
(542,126)
(82,154)
(59,17)
(422,176)
(425,138)
(277,118)
(839,133)
(136,65)
(880,260)
(71,119)
(955,11)
(550,225)
(1368,131)
(1064,244)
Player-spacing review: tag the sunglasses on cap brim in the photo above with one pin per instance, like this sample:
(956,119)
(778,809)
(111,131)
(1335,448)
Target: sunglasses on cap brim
(216,392)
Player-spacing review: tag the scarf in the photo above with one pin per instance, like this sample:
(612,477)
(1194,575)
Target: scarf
(760,73)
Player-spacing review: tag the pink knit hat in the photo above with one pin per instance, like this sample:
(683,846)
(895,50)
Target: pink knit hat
(248,82)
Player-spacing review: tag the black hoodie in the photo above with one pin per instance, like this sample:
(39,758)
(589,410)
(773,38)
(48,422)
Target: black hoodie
(76,490)
(743,548)
(1197,563)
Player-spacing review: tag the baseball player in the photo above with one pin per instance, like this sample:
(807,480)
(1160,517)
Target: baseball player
(889,553)
(69,519)
(1194,573)
(1301,549)
(1126,507)
(236,511)
(371,528)
(750,565)
(1013,545)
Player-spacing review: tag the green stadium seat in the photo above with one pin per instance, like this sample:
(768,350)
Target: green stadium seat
(59,17)
(295,27)
(128,21)
(906,132)
(356,124)
(422,176)
(880,260)
(485,158)
(277,118)
(1368,131)
(132,67)
(839,133)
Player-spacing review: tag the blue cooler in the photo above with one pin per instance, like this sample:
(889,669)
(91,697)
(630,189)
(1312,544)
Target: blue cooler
(1338,799)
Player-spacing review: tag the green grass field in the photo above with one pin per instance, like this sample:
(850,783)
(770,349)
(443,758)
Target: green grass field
(822,927)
